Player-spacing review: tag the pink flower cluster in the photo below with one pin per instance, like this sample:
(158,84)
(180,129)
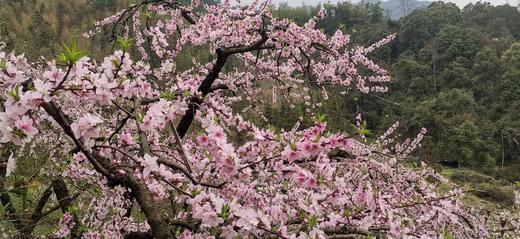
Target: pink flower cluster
(66,224)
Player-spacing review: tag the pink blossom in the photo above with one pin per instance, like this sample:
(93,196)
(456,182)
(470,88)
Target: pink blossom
(11,165)
(158,191)
(126,139)
(103,88)
(216,132)
(305,179)
(395,229)
(86,126)
(203,140)
(208,215)
(66,224)
(228,232)
(290,155)
(25,125)
(360,197)
(32,99)
(54,75)
(186,235)
(248,219)
(310,148)
(149,164)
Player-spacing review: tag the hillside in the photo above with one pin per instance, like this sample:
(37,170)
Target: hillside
(38,27)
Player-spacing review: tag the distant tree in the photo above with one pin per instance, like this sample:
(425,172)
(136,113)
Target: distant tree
(455,75)
(470,146)
(413,78)
(421,25)
(477,14)
(486,71)
(504,21)
(452,43)
(444,113)
(299,15)
(6,35)
(443,14)
(496,21)
(376,13)
(42,34)
(511,57)
(510,85)
(415,30)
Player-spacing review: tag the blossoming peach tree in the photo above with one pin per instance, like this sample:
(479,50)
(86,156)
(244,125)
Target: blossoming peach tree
(154,140)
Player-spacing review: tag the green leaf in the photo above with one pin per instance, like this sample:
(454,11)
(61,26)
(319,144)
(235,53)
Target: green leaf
(131,3)
(19,133)
(299,75)
(167,95)
(139,117)
(73,209)
(15,93)
(195,193)
(317,138)
(3,64)
(116,62)
(313,221)
(208,156)
(148,14)
(320,118)
(272,128)
(447,235)
(347,212)
(70,54)
(125,43)
(293,146)
(363,130)
(224,213)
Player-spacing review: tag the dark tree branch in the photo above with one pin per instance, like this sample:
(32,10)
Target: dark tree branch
(121,125)
(69,68)
(54,111)
(65,201)
(195,102)
(206,84)
(218,87)
(37,214)
(139,235)
(188,175)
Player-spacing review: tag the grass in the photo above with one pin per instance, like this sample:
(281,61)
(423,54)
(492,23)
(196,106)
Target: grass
(482,190)
(46,225)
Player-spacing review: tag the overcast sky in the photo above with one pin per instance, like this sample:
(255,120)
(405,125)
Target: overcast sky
(460,3)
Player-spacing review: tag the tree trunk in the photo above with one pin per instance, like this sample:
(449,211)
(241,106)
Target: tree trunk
(158,224)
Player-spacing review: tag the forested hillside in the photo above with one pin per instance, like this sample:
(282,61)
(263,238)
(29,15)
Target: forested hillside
(38,27)
(455,72)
